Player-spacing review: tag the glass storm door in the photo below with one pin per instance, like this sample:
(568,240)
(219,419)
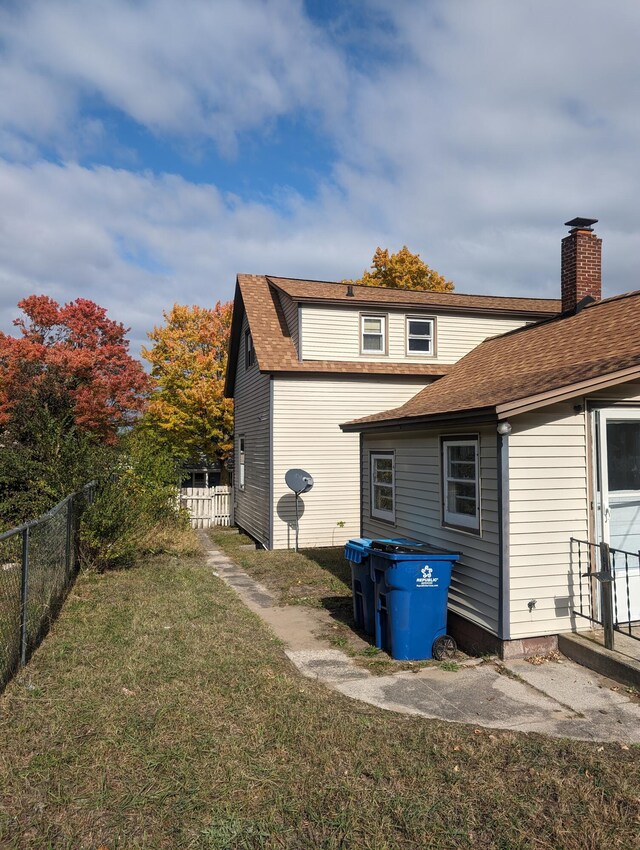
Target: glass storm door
(618,499)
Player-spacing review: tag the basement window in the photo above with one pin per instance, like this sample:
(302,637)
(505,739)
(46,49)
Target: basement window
(383,486)
(461,483)
(373,334)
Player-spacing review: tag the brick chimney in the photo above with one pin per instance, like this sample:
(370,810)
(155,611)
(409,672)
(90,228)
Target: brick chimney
(581,263)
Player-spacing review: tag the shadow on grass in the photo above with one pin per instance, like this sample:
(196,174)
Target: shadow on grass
(333,561)
(340,608)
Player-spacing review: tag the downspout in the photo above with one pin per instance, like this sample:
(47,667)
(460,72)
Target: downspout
(504,587)
(361,483)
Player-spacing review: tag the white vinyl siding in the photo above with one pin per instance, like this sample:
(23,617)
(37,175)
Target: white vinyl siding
(251,421)
(290,310)
(629,392)
(548,504)
(418,516)
(307,415)
(334,333)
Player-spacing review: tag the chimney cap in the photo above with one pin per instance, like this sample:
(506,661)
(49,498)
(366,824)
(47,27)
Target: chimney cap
(581,223)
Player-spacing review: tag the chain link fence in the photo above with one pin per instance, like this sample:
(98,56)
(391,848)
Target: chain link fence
(38,564)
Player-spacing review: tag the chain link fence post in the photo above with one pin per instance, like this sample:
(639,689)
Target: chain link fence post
(24,594)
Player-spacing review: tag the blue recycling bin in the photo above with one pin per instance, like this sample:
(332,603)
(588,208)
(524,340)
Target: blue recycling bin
(411,586)
(357,552)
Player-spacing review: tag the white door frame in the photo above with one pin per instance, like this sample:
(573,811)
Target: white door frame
(601,503)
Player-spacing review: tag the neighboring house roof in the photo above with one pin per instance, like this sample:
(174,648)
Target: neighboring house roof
(535,365)
(380,296)
(259,296)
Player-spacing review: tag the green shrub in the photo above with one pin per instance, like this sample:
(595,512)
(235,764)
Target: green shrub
(136,502)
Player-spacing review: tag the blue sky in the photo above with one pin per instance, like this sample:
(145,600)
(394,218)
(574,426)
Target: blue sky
(150,150)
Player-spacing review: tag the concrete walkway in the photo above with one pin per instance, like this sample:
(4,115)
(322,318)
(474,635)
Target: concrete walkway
(559,699)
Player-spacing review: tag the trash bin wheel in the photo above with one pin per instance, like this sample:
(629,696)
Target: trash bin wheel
(444,647)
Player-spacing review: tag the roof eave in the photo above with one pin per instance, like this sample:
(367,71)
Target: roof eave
(234,342)
(478,415)
(292,370)
(403,305)
(600,382)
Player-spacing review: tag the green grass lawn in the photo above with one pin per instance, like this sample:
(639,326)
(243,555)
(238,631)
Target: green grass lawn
(160,713)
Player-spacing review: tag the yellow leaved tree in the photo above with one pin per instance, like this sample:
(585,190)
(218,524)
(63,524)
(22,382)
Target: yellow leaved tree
(187,411)
(403,270)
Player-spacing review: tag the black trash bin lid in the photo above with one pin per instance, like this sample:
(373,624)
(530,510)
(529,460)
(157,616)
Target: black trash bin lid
(392,548)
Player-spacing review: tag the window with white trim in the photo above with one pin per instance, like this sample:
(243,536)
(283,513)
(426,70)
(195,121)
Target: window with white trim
(373,334)
(249,351)
(383,485)
(420,335)
(241,463)
(461,483)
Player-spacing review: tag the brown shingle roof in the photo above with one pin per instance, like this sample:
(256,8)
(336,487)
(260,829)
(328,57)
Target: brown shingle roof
(600,340)
(317,290)
(274,348)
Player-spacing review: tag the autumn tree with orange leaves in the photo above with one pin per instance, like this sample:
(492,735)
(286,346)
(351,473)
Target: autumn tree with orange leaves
(403,270)
(187,410)
(74,362)
(68,386)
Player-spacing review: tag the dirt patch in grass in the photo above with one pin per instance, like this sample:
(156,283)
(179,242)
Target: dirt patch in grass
(317,577)
(161,713)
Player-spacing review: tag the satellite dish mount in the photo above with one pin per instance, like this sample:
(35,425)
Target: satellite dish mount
(300,482)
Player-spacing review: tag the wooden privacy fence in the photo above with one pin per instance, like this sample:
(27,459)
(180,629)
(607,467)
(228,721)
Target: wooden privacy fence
(208,506)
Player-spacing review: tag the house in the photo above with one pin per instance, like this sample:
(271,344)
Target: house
(306,356)
(530,440)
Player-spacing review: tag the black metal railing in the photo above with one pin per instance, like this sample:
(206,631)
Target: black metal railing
(608,591)
(38,564)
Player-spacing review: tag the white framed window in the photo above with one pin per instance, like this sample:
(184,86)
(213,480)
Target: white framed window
(420,336)
(461,482)
(249,351)
(373,334)
(383,485)
(241,462)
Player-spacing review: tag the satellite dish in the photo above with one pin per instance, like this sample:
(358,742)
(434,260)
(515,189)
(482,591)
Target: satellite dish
(299,481)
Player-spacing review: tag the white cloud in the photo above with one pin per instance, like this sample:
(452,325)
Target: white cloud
(189,69)
(492,123)
(138,243)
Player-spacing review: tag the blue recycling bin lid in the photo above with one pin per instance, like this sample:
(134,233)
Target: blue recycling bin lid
(357,549)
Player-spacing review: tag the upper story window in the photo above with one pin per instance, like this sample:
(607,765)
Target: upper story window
(461,483)
(373,334)
(249,351)
(383,486)
(420,335)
